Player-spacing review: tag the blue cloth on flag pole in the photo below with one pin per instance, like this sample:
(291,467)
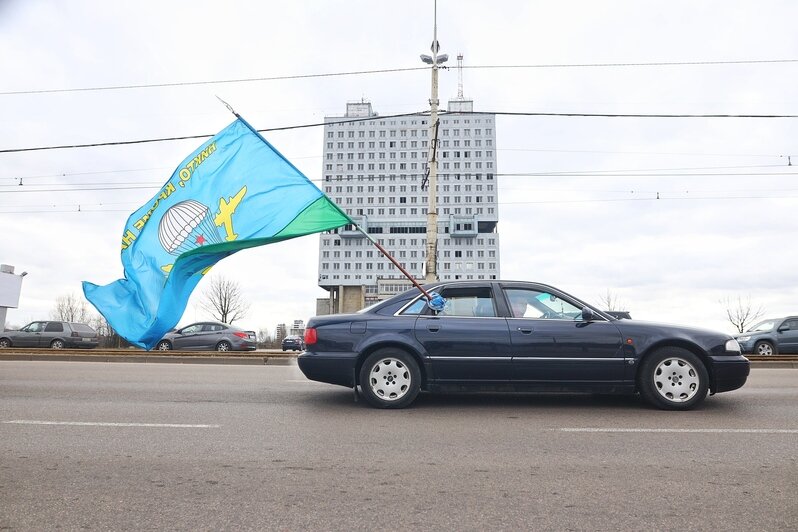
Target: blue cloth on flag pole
(235,191)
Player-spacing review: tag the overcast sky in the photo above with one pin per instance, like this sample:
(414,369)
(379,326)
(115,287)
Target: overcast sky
(726,228)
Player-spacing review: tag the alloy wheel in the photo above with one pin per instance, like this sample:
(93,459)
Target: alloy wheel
(390,379)
(676,380)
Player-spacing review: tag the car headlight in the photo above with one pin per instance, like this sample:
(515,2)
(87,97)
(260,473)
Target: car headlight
(743,338)
(732,345)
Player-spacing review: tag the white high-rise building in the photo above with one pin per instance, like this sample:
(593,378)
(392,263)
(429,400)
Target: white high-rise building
(374,168)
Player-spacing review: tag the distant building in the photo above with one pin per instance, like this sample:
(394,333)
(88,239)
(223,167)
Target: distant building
(374,169)
(280,333)
(297,328)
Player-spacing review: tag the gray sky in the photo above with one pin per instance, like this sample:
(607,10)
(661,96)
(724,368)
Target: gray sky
(708,237)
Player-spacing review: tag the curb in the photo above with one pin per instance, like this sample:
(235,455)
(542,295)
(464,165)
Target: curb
(155,359)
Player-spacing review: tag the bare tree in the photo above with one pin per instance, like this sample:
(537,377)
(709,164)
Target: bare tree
(224,301)
(742,314)
(70,308)
(611,302)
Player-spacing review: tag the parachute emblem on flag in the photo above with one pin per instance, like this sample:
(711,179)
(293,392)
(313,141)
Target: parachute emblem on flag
(186,226)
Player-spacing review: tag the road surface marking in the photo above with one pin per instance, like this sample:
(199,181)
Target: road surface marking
(100,424)
(681,431)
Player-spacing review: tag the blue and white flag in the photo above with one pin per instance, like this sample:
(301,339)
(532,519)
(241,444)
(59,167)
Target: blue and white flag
(234,192)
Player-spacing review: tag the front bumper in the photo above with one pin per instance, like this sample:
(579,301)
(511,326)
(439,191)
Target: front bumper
(332,368)
(729,372)
(747,347)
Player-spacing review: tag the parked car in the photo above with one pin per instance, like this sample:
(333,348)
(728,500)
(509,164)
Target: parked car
(208,335)
(770,337)
(54,334)
(294,343)
(515,336)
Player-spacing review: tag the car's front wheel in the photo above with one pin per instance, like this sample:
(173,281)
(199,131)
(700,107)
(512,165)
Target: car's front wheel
(223,346)
(5,342)
(764,348)
(390,378)
(163,345)
(673,378)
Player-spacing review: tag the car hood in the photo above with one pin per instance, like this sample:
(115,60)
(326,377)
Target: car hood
(647,328)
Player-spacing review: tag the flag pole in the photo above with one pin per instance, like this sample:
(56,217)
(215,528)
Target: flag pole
(373,241)
(395,262)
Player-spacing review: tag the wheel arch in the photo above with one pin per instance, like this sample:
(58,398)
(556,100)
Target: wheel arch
(395,345)
(702,355)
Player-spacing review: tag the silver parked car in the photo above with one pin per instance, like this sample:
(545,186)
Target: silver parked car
(208,335)
(54,334)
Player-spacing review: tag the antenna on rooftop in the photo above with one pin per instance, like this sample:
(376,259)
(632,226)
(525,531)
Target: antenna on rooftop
(460,76)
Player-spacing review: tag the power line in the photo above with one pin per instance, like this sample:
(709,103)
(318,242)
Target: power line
(393,70)
(363,119)
(213,82)
(558,172)
(658,197)
(164,139)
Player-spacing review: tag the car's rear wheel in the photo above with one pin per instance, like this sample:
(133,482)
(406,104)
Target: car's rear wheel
(673,378)
(764,348)
(57,344)
(390,378)
(5,342)
(223,346)
(163,345)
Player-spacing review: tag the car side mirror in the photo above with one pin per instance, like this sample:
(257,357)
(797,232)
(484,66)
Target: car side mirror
(587,314)
(782,329)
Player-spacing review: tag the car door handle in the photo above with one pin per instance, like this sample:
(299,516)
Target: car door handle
(433,328)
(525,330)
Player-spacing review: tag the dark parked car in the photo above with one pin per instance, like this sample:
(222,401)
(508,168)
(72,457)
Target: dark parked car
(294,343)
(208,335)
(515,336)
(770,337)
(54,334)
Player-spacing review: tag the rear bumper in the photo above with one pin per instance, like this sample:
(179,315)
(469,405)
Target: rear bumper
(729,372)
(79,343)
(332,368)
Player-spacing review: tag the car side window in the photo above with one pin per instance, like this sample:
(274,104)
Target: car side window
(192,329)
(210,327)
(540,305)
(791,325)
(417,307)
(36,326)
(54,326)
(476,302)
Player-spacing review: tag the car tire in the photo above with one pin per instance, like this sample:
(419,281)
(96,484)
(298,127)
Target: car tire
(284,349)
(224,346)
(390,378)
(673,378)
(163,345)
(765,348)
(57,344)
(5,342)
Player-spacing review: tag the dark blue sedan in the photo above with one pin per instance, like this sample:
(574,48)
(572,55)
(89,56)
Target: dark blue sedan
(518,337)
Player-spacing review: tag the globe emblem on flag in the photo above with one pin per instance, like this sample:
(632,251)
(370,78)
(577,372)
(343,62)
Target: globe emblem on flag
(187,225)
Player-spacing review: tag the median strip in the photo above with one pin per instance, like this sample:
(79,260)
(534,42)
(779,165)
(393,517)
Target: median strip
(103,424)
(682,431)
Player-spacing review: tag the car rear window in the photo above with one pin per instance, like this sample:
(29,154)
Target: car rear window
(80,327)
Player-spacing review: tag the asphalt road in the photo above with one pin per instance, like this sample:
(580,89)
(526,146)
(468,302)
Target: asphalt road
(213,447)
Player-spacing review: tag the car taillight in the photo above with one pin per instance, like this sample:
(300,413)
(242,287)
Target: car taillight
(310,336)
(241,334)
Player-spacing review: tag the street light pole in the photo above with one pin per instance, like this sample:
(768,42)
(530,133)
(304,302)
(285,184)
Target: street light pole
(432,159)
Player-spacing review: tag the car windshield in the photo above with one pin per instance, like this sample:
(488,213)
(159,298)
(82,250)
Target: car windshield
(763,326)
